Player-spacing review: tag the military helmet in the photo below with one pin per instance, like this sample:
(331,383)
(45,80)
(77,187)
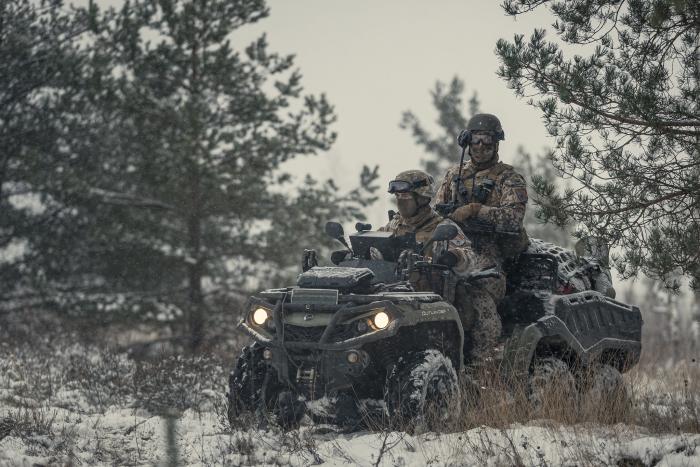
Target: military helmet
(413,181)
(486,122)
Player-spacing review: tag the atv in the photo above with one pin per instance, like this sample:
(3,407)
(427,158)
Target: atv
(353,334)
(377,334)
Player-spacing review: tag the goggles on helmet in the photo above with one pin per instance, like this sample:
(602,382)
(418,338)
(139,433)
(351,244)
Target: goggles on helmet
(482,138)
(402,186)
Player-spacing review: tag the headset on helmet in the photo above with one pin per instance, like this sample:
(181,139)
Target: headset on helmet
(481,122)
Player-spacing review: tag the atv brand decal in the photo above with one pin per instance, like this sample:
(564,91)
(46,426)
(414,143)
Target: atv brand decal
(427,313)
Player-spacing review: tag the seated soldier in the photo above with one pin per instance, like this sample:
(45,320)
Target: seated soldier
(414,190)
(489,192)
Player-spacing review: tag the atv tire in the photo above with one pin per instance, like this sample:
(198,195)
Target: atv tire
(604,389)
(422,391)
(551,381)
(249,384)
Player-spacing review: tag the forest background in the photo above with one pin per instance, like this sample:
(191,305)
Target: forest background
(163,159)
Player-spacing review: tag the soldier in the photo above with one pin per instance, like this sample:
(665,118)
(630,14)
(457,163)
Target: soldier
(495,194)
(414,190)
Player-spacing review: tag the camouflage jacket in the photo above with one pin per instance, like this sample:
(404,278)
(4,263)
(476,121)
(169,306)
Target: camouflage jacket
(500,190)
(423,225)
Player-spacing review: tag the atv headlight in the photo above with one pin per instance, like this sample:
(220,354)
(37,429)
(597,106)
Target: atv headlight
(381,320)
(260,315)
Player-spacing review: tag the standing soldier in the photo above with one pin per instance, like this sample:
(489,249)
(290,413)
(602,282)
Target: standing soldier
(487,198)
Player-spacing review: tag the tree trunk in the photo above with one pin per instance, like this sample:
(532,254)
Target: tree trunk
(194,221)
(695,324)
(196,297)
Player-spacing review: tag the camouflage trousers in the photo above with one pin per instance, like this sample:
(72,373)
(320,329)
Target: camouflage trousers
(477,307)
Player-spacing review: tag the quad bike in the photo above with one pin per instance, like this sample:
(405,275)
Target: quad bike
(357,334)
(365,337)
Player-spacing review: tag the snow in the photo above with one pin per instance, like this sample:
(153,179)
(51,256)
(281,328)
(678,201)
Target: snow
(125,436)
(92,422)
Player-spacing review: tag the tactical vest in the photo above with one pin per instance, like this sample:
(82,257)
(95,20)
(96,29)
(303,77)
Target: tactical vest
(473,190)
(480,189)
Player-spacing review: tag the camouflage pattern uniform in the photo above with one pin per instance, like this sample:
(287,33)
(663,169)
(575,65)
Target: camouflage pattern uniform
(424,222)
(502,195)
(479,328)
(423,225)
(503,206)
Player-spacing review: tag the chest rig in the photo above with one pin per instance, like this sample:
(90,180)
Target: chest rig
(477,190)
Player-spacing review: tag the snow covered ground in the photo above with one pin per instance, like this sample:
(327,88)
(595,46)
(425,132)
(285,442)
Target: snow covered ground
(64,403)
(134,437)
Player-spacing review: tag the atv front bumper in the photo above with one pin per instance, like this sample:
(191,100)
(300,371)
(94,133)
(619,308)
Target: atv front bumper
(324,360)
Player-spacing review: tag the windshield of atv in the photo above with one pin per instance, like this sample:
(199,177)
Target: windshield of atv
(389,245)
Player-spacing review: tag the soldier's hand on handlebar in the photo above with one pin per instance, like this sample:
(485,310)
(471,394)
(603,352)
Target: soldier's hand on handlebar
(375,254)
(465,212)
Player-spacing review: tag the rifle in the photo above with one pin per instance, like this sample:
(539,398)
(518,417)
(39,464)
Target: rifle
(482,227)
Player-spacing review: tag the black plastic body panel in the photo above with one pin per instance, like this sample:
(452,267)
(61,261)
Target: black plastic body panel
(590,317)
(585,326)
(319,353)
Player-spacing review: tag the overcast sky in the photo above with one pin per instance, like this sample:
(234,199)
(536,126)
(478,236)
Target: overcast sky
(375,59)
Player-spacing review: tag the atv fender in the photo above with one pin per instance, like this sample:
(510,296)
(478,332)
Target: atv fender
(587,326)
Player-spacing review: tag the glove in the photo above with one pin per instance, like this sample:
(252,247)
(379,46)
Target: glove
(448,259)
(375,254)
(465,212)
(464,138)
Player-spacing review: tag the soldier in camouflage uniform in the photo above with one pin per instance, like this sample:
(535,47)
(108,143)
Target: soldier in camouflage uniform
(494,192)
(413,190)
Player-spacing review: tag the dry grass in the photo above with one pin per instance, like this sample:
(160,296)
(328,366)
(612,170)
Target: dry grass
(666,390)
(659,399)
(665,402)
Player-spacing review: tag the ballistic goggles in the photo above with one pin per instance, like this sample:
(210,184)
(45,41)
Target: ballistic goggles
(483,138)
(402,186)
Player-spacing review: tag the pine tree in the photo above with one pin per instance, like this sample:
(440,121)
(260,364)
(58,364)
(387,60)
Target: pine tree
(447,98)
(205,131)
(538,167)
(626,119)
(179,197)
(41,114)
